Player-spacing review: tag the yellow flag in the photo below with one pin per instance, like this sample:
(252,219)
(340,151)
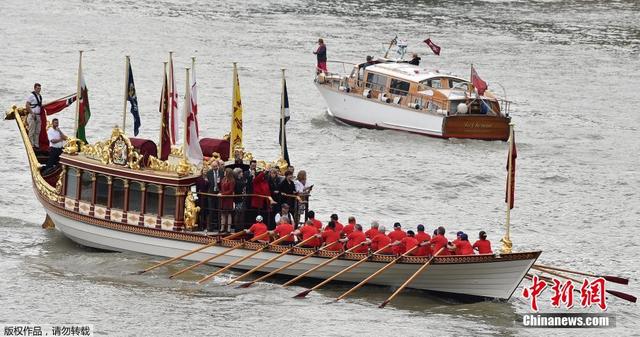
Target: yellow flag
(236,114)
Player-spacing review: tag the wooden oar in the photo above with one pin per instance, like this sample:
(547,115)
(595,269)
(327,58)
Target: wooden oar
(304,293)
(615,293)
(614,279)
(193,251)
(380,271)
(288,283)
(410,279)
(302,258)
(229,266)
(271,260)
(216,256)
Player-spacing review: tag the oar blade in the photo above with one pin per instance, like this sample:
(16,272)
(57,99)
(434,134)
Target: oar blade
(622,295)
(616,279)
(245,285)
(303,294)
(384,304)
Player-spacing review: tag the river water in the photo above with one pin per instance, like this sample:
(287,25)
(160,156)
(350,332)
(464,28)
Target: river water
(572,69)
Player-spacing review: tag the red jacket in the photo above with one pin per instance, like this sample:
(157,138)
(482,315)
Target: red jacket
(284,229)
(317,223)
(379,241)
(349,228)
(307,232)
(397,235)
(261,187)
(258,229)
(483,246)
(371,233)
(438,242)
(355,238)
(406,244)
(426,249)
(330,236)
(464,248)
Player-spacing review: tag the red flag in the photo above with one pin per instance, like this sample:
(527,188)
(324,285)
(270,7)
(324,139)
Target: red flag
(434,47)
(173,108)
(510,192)
(477,82)
(165,138)
(50,109)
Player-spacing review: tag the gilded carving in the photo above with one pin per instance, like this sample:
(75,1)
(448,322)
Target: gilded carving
(190,212)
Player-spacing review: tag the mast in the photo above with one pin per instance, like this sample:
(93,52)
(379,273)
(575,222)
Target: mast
(506,240)
(126,93)
(162,96)
(282,117)
(78,93)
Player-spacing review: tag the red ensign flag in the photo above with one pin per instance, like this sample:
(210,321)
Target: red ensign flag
(477,82)
(433,46)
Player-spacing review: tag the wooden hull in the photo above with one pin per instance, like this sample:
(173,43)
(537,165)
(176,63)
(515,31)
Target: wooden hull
(477,127)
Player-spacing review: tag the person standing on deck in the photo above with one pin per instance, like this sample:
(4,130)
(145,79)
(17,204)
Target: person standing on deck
(56,141)
(321,55)
(34,109)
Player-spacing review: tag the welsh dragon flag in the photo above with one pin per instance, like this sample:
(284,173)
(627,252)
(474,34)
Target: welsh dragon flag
(84,112)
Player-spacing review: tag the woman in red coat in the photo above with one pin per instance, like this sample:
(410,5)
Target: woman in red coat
(261,187)
(227,187)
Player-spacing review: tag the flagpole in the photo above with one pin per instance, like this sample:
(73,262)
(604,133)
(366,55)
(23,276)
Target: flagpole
(187,108)
(162,112)
(233,114)
(171,90)
(78,93)
(506,240)
(282,118)
(126,93)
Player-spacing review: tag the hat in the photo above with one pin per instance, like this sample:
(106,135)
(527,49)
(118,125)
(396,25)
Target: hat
(464,237)
(259,218)
(410,233)
(397,225)
(459,233)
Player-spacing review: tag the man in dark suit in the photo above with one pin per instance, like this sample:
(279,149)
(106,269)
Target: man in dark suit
(214,176)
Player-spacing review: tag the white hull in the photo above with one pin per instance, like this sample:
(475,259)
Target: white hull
(360,111)
(483,279)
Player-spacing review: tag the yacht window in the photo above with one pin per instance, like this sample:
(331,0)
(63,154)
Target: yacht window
(399,87)
(102,190)
(152,200)
(169,205)
(376,82)
(86,187)
(72,182)
(135,197)
(117,194)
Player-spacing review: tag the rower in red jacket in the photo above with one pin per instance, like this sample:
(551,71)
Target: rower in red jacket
(309,230)
(339,226)
(396,235)
(464,246)
(258,229)
(349,228)
(423,239)
(284,229)
(407,243)
(330,237)
(316,222)
(380,241)
(355,238)
(483,246)
(373,231)
(439,241)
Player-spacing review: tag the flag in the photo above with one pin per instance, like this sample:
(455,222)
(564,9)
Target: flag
(173,107)
(84,112)
(286,116)
(236,114)
(133,99)
(59,104)
(477,82)
(434,47)
(50,109)
(165,133)
(194,152)
(511,190)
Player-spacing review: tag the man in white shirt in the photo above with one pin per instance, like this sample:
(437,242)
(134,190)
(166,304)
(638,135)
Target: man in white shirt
(56,142)
(34,108)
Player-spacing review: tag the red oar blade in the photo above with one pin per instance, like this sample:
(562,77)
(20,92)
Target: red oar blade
(303,294)
(616,279)
(622,295)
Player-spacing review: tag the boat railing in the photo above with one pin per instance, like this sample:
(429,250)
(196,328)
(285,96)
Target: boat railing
(246,207)
(375,91)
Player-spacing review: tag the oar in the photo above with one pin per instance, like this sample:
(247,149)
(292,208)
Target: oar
(304,293)
(614,279)
(229,266)
(193,251)
(410,279)
(270,260)
(248,284)
(615,293)
(216,256)
(322,264)
(380,271)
